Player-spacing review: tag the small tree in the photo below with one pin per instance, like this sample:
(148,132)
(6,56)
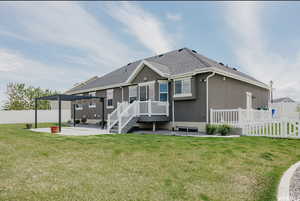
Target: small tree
(20,97)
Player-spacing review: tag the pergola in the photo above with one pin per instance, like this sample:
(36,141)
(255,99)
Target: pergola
(64,97)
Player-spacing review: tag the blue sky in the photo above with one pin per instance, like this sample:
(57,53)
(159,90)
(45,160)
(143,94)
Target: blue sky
(57,44)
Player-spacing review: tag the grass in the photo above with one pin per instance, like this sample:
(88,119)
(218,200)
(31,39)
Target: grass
(40,166)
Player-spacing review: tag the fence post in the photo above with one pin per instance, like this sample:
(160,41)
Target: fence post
(167,109)
(211,116)
(239,116)
(149,108)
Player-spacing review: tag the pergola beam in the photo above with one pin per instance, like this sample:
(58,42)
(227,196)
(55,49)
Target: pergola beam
(59,113)
(35,112)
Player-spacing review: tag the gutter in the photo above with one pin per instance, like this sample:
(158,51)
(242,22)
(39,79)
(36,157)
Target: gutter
(213,73)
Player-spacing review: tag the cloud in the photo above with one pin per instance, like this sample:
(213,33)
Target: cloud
(173,16)
(146,27)
(92,48)
(65,24)
(253,53)
(18,68)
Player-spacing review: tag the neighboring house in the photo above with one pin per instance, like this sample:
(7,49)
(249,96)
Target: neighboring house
(284,100)
(285,108)
(181,83)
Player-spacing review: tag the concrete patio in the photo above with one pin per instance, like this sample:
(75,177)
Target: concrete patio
(74,131)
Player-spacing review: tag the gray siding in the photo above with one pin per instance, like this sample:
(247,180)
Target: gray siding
(191,109)
(146,75)
(231,94)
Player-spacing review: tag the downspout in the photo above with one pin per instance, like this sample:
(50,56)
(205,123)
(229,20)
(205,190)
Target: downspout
(207,113)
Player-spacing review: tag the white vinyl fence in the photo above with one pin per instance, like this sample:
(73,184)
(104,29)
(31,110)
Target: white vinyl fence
(275,128)
(27,116)
(237,117)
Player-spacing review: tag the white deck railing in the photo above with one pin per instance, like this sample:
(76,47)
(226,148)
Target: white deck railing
(125,112)
(237,117)
(129,113)
(113,117)
(275,128)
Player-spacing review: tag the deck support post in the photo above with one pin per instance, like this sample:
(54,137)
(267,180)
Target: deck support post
(102,100)
(74,115)
(154,126)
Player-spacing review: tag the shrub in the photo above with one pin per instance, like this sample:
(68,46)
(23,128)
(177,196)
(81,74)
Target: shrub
(224,129)
(211,129)
(28,126)
(77,121)
(83,120)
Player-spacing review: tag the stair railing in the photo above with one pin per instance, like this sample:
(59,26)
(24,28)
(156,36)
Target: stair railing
(113,117)
(129,113)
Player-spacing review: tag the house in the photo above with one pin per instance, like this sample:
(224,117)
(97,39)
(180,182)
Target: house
(285,108)
(284,100)
(172,90)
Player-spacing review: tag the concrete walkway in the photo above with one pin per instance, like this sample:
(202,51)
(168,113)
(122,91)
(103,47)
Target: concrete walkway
(295,186)
(74,131)
(181,133)
(289,186)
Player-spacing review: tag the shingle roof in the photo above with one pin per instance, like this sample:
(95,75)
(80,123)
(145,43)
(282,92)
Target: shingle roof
(175,62)
(284,99)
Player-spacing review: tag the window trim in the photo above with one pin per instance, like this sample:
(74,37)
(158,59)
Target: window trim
(159,92)
(109,106)
(182,94)
(93,105)
(136,88)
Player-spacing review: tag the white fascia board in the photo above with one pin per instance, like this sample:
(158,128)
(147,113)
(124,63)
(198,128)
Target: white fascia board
(221,72)
(140,67)
(241,78)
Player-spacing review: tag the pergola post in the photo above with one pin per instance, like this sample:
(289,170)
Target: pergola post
(74,114)
(102,100)
(35,112)
(59,113)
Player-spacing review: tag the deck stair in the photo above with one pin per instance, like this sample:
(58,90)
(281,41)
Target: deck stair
(126,115)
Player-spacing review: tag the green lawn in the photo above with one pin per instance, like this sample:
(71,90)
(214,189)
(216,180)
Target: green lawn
(45,167)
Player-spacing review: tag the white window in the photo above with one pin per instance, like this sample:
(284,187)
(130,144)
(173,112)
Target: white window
(92,105)
(132,93)
(110,97)
(92,93)
(163,91)
(78,107)
(182,87)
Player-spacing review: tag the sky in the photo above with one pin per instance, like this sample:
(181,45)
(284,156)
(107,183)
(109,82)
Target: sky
(55,45)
